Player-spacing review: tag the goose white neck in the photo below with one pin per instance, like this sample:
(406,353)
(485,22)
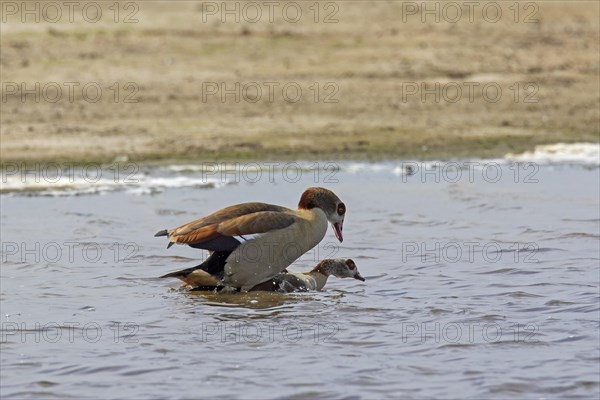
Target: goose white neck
(319,278)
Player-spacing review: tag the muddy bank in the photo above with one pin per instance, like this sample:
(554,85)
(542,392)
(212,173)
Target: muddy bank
(366,81)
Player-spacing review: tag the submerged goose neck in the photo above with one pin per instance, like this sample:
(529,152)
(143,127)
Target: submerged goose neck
(319,277)
(321,272)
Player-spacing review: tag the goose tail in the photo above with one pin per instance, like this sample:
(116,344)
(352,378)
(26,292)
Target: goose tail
(180,273)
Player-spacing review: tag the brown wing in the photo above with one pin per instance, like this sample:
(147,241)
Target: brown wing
(224,215)
(243,219)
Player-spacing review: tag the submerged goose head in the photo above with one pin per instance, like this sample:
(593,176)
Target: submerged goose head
(339,267)
(332,206)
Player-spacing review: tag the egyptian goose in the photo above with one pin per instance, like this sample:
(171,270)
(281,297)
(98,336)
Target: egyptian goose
(284,282)
(283,235)
(315,279)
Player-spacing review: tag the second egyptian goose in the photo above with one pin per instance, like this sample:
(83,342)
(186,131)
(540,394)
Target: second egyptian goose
(284,282)
(315,279)
(283,235)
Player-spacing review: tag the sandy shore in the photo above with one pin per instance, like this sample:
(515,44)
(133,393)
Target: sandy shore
(181,83)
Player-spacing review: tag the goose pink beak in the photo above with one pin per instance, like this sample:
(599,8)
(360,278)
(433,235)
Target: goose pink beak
(337,229)
(359,277)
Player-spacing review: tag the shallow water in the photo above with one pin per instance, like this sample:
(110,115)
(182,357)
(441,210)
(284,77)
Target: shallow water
(474,289)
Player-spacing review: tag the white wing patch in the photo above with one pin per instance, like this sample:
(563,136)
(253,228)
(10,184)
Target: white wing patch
(245,238)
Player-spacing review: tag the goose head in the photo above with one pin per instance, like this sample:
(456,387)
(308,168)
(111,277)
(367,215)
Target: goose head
(332,206)
(340,268)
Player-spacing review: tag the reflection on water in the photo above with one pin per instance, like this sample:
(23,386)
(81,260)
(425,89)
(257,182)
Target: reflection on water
(255,300)
(484,288)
